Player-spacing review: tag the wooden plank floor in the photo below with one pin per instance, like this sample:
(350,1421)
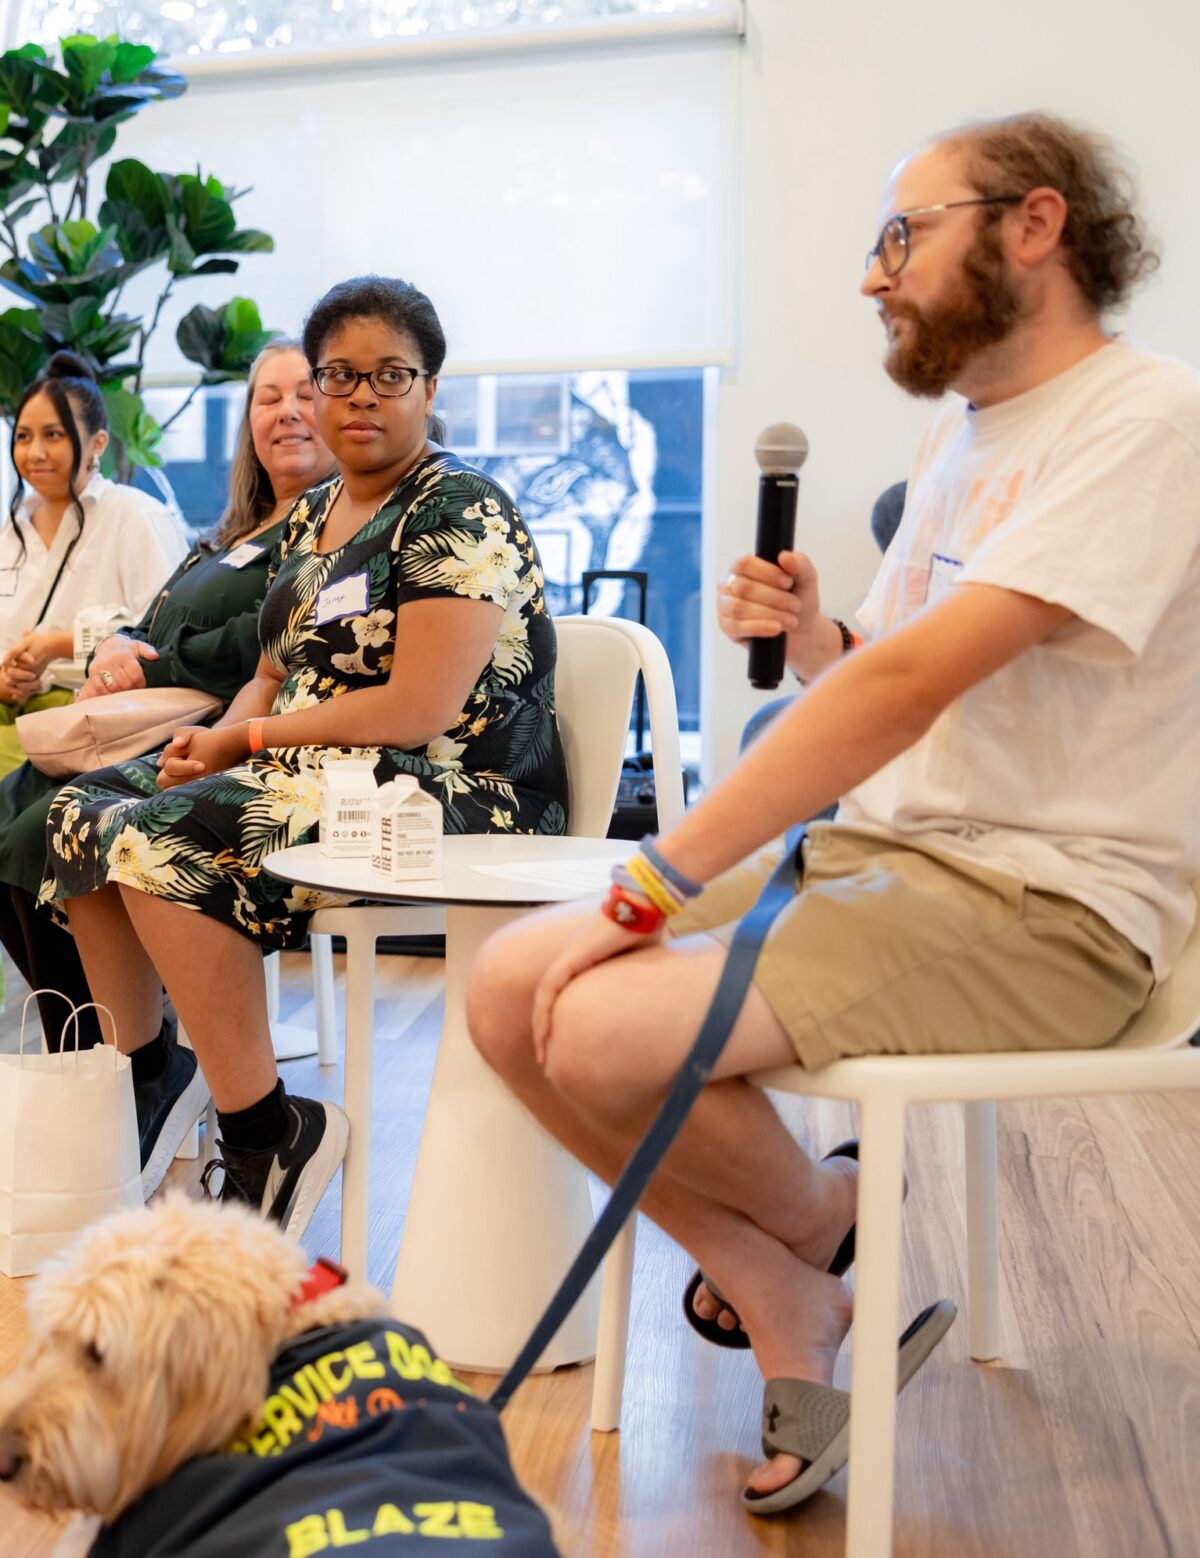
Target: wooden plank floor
(1082,1443)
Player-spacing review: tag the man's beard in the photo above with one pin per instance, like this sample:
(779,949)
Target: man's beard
(941,341)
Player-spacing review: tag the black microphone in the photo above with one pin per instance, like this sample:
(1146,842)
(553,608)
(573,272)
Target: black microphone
(780,450)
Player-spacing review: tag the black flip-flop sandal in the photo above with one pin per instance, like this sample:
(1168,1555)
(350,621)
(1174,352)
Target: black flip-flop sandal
(736,1338)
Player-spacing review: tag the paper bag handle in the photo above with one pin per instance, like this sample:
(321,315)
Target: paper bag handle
(33,994)
(73,1022)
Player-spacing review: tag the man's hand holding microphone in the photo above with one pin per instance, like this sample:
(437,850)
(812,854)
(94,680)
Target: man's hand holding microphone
(770,601)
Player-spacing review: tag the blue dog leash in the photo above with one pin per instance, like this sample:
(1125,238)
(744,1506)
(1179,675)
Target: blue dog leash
(692,1077)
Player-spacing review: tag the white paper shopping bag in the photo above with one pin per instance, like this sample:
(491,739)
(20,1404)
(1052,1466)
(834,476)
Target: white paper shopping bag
(68,1147)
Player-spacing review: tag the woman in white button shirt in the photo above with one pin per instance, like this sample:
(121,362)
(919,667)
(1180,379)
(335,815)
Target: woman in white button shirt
(75,539)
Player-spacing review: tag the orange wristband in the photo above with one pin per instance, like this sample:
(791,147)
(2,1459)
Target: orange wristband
(254,729)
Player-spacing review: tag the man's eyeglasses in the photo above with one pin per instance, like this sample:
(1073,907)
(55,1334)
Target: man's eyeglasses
(891,248)
(387,382)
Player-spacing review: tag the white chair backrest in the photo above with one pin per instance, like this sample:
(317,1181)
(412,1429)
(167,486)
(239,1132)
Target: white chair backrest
(598,662)
(1172,1013)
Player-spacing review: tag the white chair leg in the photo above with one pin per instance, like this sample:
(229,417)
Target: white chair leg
(210,1133)
(873,1376)
(189,1147)
(322,968)
(608,1381)
(271,975)
(360,1016)
(288,1039)
(983,1230)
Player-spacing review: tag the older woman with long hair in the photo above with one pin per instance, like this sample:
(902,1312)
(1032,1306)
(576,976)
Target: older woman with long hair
(200,630)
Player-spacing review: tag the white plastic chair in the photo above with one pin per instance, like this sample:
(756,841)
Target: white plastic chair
(599,659)
(1151,1055)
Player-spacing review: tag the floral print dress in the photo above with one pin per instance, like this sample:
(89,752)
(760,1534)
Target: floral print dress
(328,627)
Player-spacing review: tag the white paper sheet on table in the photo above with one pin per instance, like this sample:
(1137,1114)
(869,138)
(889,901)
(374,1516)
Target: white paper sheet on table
(581,876)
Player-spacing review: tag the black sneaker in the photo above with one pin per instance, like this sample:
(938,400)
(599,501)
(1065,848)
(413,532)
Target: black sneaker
(167,1107)
(285,1182)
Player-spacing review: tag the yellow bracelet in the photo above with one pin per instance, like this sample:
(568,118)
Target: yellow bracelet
(648,879)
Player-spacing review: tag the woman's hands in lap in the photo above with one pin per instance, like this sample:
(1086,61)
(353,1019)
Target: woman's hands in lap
(121,658)
(196,749)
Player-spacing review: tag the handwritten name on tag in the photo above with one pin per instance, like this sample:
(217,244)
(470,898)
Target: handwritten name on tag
(943,576)
(345,598)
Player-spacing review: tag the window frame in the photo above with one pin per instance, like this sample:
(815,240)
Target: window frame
(729,20)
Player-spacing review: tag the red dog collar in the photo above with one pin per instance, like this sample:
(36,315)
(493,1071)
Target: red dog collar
(323,1276)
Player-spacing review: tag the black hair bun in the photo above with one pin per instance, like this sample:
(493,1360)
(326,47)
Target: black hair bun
(68,365)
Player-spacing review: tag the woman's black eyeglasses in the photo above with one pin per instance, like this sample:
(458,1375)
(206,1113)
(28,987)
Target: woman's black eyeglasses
(388,382)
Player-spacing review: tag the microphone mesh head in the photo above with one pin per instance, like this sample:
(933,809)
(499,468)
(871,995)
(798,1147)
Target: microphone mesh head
(780,449)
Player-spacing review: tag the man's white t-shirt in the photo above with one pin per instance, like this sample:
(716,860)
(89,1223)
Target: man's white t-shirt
(129,547)
(1075,767)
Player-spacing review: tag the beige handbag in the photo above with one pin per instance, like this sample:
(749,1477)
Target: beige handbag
(79,737)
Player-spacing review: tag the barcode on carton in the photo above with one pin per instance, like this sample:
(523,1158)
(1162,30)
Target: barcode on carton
(360,815)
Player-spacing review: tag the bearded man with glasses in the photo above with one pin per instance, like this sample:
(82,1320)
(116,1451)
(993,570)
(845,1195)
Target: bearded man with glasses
(1014,747)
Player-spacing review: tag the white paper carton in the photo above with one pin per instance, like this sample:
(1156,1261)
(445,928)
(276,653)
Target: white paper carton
(348,792)
(406,842)
(94,624)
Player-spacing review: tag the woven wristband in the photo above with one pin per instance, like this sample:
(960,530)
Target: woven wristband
(652,885)
(681,885)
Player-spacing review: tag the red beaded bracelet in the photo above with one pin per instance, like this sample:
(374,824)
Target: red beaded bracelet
(643,919)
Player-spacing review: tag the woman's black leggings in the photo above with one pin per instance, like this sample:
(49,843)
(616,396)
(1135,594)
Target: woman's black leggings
(47,959)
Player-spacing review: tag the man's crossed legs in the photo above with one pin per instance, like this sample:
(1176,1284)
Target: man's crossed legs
(735,1190)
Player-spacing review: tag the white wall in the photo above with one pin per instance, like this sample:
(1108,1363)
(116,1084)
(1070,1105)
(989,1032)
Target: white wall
(831,95)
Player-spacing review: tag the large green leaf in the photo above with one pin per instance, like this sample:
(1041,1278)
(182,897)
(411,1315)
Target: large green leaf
(224,342)
(81,326)
(86,60)
(200,336)
(22,355)
(131,60)
(132,183)
(132,425)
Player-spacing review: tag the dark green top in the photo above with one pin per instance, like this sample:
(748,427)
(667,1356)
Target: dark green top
(204,620)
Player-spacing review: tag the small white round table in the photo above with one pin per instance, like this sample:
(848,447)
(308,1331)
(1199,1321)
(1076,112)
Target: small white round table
(498,1209)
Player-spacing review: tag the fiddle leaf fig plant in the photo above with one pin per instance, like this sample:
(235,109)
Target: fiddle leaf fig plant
(69,271)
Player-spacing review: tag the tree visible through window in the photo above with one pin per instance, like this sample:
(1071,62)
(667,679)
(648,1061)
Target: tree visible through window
(182,27)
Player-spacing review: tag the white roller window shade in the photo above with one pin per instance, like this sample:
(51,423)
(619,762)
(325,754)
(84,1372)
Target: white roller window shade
(568,209)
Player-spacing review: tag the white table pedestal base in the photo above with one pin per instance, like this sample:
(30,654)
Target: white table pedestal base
(498,1209)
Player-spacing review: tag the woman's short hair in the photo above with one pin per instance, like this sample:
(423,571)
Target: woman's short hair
(70,385)
(251,495)
(398,304)
(1107,250)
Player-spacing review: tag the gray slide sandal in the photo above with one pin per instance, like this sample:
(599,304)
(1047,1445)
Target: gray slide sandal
(812,1421)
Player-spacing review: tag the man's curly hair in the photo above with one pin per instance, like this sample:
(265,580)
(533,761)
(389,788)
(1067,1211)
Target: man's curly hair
(1106,247)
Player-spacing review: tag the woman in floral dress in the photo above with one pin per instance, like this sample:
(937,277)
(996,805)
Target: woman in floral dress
(405,625)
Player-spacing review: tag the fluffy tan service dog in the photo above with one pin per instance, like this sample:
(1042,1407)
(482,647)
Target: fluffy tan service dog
(169,1353)
(125,1323)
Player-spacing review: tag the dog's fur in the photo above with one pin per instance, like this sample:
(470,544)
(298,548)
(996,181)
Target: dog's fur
(152,1338)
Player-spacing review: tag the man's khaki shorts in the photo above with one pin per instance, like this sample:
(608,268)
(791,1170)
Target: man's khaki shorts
(890,949)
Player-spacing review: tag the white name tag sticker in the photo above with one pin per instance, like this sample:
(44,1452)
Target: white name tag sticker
(943,576)
(8,581)
(346,598)
(241,555)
